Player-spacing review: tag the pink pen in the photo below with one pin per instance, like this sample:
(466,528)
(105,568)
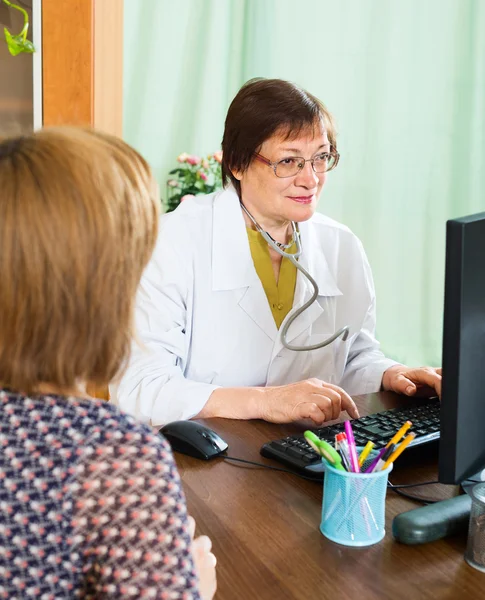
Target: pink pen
(354,459)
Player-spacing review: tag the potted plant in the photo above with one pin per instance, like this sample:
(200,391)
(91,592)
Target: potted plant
(194,175)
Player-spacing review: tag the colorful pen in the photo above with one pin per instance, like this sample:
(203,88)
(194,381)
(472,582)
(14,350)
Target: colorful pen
(370,468)
(343,448)
(365,452)
(354,460)
(399,450)
(400,434)
(381,462)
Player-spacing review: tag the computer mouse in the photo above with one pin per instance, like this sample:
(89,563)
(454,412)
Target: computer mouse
(194,439)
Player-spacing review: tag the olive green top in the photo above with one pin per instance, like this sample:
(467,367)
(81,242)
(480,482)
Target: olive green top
(280,295)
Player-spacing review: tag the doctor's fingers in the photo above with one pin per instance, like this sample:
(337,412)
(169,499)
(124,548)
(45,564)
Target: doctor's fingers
(311,410)
(422,376)
(329,401)
(347,403)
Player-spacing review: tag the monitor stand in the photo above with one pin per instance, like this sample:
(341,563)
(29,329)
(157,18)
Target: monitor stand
(471,481)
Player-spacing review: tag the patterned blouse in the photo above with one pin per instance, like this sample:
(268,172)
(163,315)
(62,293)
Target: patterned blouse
(91,505)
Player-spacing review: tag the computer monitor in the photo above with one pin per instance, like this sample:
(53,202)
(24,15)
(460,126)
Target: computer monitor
(462,438)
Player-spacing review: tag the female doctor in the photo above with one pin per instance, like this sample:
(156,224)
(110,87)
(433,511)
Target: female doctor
(221,288)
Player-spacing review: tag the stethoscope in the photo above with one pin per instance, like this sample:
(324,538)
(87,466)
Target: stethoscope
(293,258)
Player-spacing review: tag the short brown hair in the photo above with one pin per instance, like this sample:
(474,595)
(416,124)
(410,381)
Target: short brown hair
(261,108)
(78,224)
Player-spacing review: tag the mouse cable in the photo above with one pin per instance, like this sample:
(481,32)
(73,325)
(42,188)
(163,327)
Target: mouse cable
(414,498)
(410,485)
(257,464)
(394,488)
(397,489)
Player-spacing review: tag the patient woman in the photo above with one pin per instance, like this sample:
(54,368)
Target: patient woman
(91,503)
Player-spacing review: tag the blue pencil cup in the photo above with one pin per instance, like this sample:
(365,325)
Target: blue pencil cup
(354,506)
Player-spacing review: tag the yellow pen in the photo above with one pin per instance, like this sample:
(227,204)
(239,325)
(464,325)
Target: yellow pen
(365,452)
(401,433)
(399,450)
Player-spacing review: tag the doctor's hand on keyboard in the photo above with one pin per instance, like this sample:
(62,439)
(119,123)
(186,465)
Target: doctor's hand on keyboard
(309,399)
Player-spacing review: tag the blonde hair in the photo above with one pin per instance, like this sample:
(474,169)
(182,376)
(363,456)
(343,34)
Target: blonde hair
(78,224)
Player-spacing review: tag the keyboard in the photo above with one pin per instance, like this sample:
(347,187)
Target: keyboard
(294,451)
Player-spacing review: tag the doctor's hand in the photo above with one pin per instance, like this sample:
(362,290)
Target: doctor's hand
(204,561)
(309,399)
(420,382)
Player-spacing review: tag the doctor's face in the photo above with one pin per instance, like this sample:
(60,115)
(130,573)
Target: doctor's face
(275,200)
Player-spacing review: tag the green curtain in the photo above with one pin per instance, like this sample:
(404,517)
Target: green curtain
(405,80)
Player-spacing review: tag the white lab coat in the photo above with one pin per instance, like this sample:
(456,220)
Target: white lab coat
(204,321)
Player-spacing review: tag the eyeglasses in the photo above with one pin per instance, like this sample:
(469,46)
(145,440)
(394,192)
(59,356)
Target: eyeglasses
(291,166)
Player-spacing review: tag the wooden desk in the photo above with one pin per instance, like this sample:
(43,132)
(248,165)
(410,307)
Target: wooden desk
(265,528)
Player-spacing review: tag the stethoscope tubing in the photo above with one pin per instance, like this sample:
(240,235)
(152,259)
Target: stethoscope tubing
(343,331)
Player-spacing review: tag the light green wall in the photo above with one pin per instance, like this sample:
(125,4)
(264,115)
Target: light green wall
(405,80)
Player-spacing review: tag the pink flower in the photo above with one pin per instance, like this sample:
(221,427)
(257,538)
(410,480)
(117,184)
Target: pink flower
(193,159)
(187,197)
(205,164)
(218,157)
(182,157)
(202,175)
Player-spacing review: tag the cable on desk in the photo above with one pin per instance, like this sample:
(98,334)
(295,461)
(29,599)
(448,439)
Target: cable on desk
(397,490)
(394,488)
(409,485)
(257,464)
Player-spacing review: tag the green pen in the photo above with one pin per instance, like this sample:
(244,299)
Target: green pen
(325,450)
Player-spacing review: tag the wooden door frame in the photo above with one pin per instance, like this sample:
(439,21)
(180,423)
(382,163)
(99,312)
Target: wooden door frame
(82,63)
(82,70)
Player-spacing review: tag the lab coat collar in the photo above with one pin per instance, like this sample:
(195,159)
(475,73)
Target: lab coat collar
(313,259)
(232,264)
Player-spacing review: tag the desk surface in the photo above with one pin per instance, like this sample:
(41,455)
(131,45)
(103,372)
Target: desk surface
(264,526)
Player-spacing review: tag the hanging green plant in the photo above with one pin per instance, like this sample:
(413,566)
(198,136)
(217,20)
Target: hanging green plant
(19,43)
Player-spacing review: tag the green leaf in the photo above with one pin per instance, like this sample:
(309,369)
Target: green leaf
(191,183)
(14,45)
(18,43)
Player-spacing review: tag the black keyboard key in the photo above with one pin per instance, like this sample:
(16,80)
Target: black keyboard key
(328,433)
(311,457)
(377,430)
(280,446)
(296,452)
